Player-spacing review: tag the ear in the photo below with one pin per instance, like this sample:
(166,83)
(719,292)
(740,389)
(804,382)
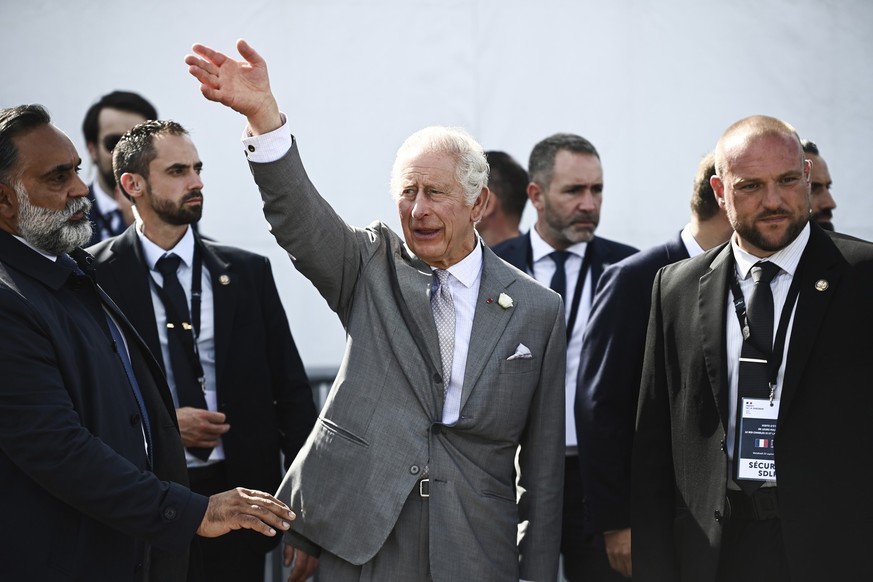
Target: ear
(480,204)
(8,209)
(718,190)
(133,184)
(535,194)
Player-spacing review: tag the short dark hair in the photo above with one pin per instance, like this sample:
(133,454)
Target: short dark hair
(121,100)
(542,159)
(508,181)
(703,202)
(136,148)
(809,147)
(13,122)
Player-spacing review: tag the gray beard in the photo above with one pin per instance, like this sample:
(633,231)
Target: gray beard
(51,230)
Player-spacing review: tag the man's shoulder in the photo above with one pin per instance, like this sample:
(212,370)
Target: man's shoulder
(615,250)
(853,249)
(513,249)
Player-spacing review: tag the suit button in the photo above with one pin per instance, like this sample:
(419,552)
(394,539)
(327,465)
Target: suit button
(718,516)
(251,148)
(415,469)
(134,419)
(170,513)
(723,446)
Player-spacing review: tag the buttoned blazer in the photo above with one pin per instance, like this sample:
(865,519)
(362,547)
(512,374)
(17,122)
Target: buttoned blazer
(609,382)
(823,458)
(261,383)
(75,479)
(380,430)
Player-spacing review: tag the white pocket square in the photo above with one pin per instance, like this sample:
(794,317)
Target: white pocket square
(522,352)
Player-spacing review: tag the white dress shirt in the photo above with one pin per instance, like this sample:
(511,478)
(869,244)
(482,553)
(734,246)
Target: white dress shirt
(543,270)
(184,249)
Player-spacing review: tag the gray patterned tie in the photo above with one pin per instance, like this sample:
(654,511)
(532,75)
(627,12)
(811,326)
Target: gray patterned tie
(444,317)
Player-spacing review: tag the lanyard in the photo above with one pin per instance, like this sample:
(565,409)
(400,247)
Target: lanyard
(577,292)
(774,362)
(188,333)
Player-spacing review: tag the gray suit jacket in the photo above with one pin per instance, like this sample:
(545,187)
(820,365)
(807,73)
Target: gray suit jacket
(381,425)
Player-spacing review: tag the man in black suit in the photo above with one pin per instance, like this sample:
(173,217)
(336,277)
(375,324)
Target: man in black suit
(238,383)
(612,363)
(786,495)
(92,471)
(104,124)
(562,252)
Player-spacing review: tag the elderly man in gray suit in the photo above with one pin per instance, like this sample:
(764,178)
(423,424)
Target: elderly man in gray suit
(454,366)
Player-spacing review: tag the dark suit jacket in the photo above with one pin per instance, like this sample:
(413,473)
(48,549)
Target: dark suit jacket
(79,499)
(260,379)
(609,382)
(517,252)
(823,456)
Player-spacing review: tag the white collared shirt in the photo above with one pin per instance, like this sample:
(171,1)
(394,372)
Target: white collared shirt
(543,270)
(691,245)
(184,249)
(788,260)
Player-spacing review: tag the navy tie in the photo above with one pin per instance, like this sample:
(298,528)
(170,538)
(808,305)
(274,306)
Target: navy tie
(559,279)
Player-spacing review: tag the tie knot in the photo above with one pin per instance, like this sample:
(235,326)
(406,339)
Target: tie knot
(168,264)
(764,271)
(560,257)
(442,276)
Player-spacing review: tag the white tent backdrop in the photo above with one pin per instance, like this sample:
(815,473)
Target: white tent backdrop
(651,83)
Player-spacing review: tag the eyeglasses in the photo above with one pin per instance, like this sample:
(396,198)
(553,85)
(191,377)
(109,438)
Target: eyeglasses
(110,141)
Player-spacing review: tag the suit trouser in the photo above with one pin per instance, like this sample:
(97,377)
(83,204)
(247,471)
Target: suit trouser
(405,556)
(584,555)
(753,551)
(231,557)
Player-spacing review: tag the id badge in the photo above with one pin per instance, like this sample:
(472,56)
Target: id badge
(756,459)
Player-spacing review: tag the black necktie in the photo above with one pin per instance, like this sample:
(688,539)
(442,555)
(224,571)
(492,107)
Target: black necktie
(180,341)
(559,279)
(754,377)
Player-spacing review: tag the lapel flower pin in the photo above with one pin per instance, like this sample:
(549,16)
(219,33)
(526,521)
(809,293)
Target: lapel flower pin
(504,301)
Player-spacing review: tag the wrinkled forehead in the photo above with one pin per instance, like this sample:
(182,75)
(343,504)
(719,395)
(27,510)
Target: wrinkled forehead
(742,151)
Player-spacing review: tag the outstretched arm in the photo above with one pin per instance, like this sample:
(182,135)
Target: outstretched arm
(244,86)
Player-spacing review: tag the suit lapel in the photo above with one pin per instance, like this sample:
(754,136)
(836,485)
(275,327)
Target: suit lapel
(489,320)
(711,309)
(225,289)
(821,261)
(131,283)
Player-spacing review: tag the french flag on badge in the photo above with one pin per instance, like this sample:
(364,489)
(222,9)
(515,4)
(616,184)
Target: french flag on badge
(762,443)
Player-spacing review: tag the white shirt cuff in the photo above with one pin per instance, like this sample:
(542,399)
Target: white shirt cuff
(267,147)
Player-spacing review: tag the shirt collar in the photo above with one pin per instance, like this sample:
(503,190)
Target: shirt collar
(787,259)
(541,249)
(691,245)
(467,270)
(184,249)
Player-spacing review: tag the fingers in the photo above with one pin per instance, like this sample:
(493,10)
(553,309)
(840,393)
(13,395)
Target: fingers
(287,555)
(211,55)
(304,567)
(249,54)
(245,508)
